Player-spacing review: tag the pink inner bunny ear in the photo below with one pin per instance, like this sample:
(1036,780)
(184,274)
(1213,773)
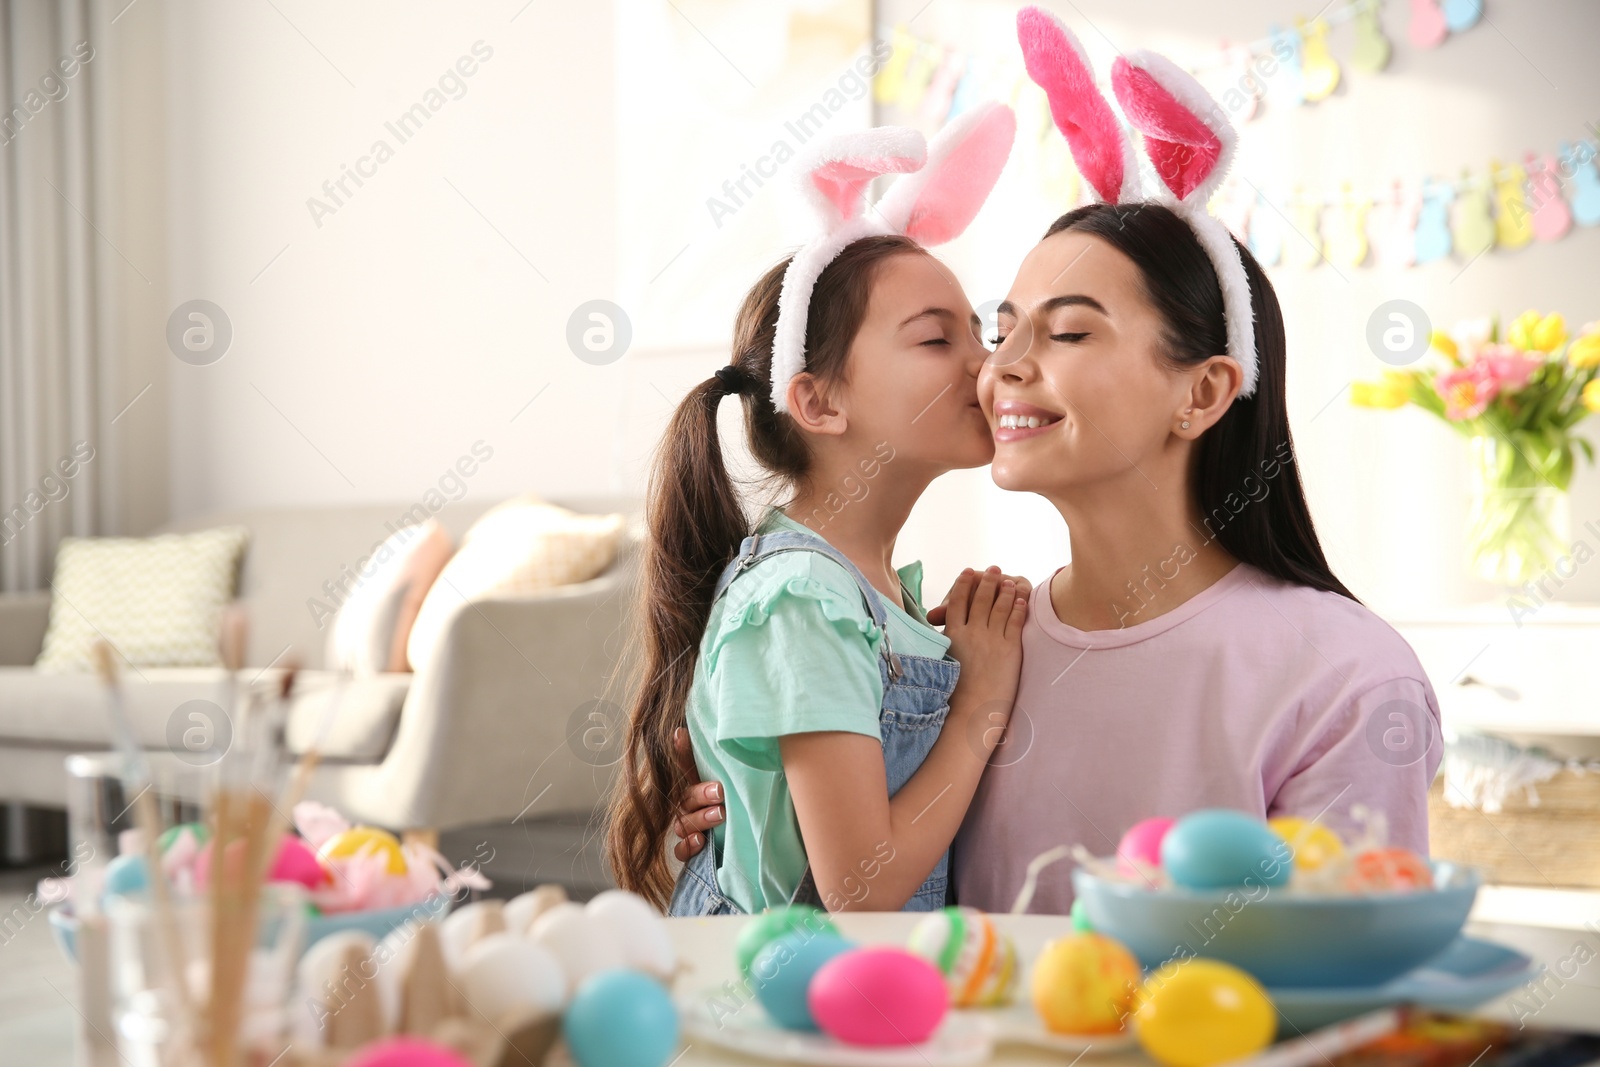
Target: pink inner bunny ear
(842,167)
(1186,135)
(1056,61)
(965,159)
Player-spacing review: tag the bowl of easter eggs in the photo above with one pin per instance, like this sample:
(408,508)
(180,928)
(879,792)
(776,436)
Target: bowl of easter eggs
(1286,900)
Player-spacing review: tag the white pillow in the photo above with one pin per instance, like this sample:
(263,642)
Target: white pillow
(372,627)
(157,600)
(521,546)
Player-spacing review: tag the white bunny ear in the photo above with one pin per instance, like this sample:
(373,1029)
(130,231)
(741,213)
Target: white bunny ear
(1186,134)
(838,170)
(965,158)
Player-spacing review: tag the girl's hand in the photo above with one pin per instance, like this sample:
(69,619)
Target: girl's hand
(936,614)
(701,807)
(983,618)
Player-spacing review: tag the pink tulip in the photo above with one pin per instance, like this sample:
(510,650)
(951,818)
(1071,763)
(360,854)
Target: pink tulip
(1467,391)
(1508,366)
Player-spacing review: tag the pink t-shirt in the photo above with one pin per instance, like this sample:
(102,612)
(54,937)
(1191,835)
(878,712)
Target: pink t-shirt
(1257,694)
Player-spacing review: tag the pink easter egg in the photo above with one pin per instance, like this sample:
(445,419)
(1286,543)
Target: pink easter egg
(1142,843)
(296,862)
(405,1052)
(878,996)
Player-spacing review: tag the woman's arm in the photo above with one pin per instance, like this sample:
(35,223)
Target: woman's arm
(866,849)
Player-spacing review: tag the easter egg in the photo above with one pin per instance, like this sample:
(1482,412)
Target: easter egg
(522,910)
(639,929)
(773,924)
(296,862)
(1084,984)
(1220,848)
(197,830)
(1142,844)
(1394,869)
(1313,845)
(406,1052)
(467,925)
(878,996)
(581,943)
(126,875)
(504,973)
(361,840)
(621,1019)
(782,973)
(978,962)
(1198,1012)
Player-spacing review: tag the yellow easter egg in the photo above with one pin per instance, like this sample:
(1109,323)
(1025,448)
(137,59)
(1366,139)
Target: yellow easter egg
(360,840)
(1084,984)
(1314,844)
(1197,1013)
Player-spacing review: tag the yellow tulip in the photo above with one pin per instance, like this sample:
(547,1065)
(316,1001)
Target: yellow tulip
(1551,331)
(1591,395)
(1445,346)
(1520,333)
(1584,352)
(1390,391)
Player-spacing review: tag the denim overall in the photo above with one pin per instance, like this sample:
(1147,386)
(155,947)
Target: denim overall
(916,699)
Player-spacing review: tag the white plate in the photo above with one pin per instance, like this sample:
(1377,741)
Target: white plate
(960,1041)
(1019,1024)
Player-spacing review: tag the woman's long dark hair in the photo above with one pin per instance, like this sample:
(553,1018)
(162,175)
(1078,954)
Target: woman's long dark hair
(695,520)
(1274,533)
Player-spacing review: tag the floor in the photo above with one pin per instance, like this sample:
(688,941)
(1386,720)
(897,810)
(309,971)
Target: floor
(38,1011)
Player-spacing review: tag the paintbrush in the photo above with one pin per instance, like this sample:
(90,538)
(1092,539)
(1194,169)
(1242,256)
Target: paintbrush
(136,779)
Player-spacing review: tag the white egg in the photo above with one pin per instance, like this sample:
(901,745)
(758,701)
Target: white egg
(580,942)
(467,925)
(638,928)
(522,910)
(505,973)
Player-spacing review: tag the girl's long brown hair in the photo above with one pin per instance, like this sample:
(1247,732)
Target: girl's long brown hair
(695,521)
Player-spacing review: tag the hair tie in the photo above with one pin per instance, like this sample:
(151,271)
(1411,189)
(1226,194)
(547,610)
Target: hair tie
(734,381)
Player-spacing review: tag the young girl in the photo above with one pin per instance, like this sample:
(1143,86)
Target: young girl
(1198,650)
(813,685)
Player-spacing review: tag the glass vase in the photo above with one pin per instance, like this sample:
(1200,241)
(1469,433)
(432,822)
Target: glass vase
(1518,524)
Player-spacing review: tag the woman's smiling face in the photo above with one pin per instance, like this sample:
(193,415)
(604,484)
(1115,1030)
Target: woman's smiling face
(1076,392)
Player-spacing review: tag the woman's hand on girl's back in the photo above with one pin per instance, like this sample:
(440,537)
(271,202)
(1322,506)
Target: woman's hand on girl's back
(701,807)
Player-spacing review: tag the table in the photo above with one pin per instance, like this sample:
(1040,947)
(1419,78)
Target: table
(706,948)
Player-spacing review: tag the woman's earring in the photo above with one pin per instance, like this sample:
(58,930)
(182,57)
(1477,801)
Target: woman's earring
(1185,424)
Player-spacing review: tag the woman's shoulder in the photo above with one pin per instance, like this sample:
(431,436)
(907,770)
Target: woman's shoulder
(1341,631)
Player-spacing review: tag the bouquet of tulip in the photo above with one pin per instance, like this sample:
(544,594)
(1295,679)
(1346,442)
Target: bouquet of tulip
(1518,398)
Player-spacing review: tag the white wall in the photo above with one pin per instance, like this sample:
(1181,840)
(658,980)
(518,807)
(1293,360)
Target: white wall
(375,349)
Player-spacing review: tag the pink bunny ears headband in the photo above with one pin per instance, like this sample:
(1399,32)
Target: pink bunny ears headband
(946,182)
(1186,137)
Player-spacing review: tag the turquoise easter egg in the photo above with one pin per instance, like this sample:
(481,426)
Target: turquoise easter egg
(782,974)
(621,1019)
(1218,848)
(126,876)
(773,924)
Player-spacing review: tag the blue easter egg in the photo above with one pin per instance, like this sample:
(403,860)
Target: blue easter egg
(1219,848)
(621,1018)
(126,876)
(781,973)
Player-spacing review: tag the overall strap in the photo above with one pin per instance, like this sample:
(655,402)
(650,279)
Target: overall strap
(759,546)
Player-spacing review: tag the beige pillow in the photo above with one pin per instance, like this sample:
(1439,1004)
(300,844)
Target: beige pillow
(157,600)
(521,546)
(372,627)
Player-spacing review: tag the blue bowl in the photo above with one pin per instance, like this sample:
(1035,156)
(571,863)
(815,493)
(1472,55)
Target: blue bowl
(1283,938)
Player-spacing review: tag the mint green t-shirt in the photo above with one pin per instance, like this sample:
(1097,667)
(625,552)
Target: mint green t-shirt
(789,649)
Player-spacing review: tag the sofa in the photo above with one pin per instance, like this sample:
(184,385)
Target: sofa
(512,719)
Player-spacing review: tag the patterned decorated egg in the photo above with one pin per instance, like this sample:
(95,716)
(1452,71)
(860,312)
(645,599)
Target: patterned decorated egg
(979,963)
(1084,984)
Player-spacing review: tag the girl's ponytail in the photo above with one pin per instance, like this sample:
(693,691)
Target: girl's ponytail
(695,520)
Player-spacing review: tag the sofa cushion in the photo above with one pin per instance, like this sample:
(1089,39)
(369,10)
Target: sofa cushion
(370,632)
(521,546)
(158,601)
(179,709)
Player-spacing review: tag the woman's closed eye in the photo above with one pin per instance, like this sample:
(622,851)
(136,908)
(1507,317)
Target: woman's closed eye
(1070,337)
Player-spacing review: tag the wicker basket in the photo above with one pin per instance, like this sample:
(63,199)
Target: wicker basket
(1556,842)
